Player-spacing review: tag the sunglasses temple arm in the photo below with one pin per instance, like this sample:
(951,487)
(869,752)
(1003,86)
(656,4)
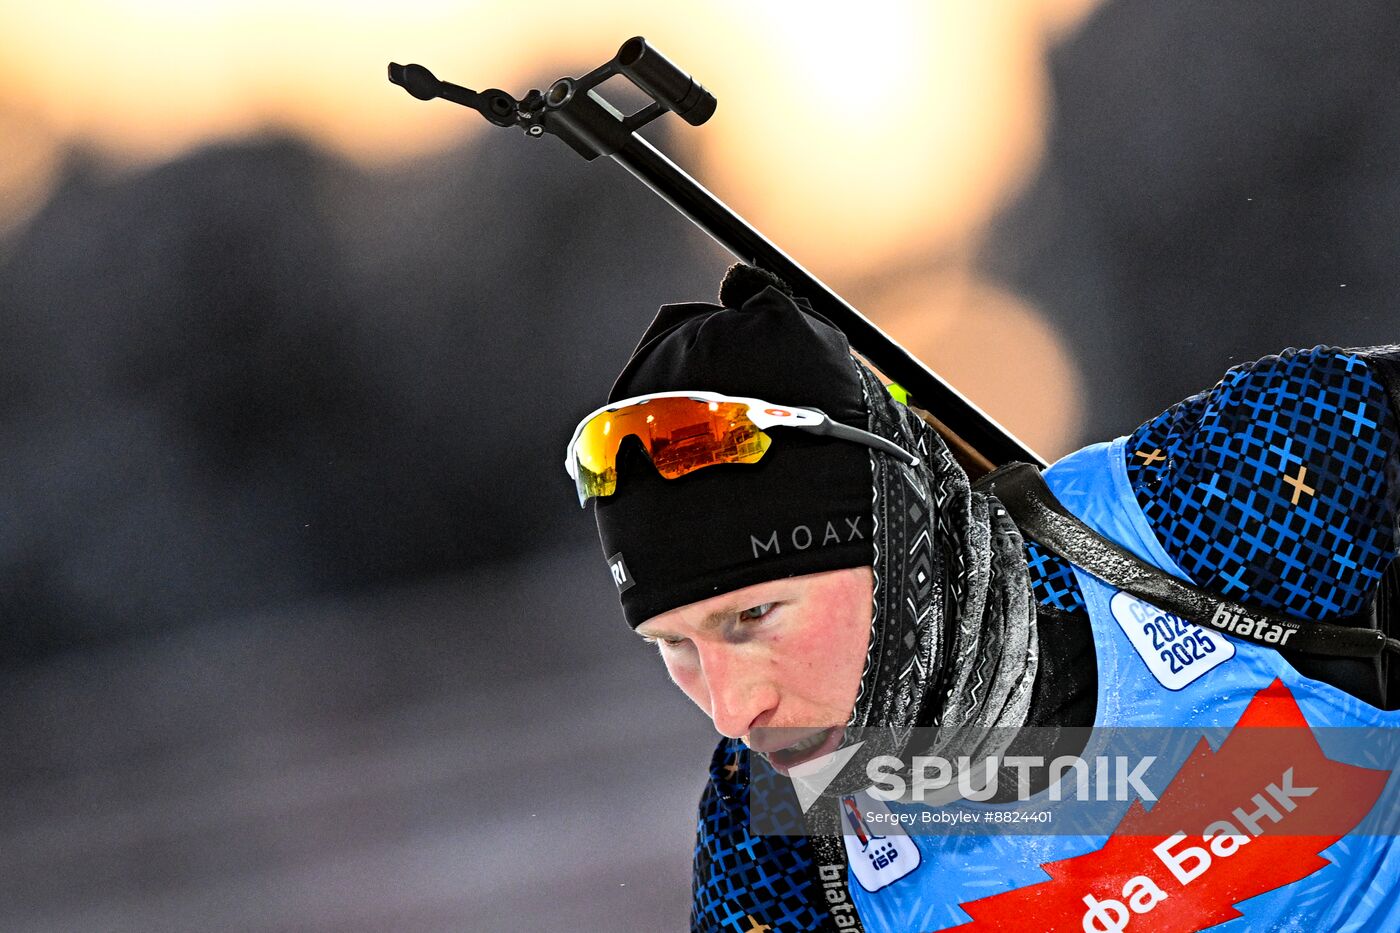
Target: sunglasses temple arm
(832,428)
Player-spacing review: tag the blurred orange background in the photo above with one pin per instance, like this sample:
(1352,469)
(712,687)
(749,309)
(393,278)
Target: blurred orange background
(873,142)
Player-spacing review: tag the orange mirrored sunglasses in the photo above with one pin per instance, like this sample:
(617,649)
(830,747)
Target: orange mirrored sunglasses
(686,431)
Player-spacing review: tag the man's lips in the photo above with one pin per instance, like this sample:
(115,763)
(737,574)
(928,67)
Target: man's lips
(771,739)
(793,752)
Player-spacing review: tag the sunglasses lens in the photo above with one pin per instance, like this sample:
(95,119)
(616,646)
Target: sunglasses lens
(679,434)
(698,434)
(595,457)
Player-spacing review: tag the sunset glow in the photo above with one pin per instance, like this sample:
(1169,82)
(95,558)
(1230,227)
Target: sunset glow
(855,136)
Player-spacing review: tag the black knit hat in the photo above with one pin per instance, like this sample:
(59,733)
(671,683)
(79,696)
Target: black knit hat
(804,508)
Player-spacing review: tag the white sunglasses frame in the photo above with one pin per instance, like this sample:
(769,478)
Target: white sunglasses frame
(764,415)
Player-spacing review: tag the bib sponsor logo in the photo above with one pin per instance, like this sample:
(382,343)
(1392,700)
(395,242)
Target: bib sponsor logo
(1177,652)
(876,861)
(1236,822)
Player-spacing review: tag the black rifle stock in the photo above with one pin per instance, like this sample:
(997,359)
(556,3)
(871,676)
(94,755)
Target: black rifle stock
(574,112)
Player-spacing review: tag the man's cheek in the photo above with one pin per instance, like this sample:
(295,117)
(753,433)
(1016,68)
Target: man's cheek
(686,675)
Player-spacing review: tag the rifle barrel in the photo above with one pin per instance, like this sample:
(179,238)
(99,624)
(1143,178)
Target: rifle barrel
(956,413)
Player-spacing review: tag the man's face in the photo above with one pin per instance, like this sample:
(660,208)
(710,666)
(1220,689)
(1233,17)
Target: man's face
(786,654)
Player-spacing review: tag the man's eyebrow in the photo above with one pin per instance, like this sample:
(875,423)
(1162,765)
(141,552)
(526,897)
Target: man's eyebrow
(720,616)
(711,621)
(717,618)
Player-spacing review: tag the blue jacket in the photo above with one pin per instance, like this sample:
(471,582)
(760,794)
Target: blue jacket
(1158,671)
(1272,488)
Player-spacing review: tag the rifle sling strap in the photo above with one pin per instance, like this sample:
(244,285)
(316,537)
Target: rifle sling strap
(1040,516)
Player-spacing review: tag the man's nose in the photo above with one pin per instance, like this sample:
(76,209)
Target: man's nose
(739,698)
